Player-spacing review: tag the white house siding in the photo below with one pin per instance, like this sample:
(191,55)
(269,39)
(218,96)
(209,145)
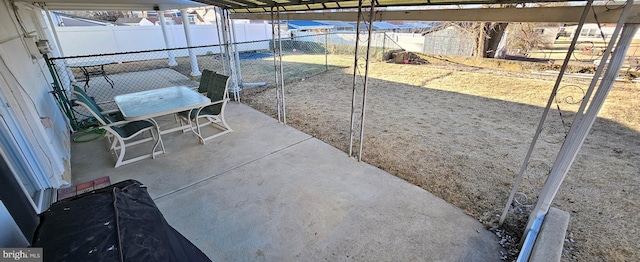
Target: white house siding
(25,88)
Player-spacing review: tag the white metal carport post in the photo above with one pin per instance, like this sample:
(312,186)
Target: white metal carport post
(565,64)
(230,53)
(581,125)
(163,25)
(195,70)
(218,12)
(356,70)
(276,42)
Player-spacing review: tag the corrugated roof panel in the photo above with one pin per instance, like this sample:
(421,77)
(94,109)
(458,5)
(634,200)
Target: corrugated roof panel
(298,5)
(307,24)
(339,24)
(384,25)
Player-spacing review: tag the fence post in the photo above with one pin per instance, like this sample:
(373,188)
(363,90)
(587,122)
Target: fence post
(384,41)
(326,52)
(235,53)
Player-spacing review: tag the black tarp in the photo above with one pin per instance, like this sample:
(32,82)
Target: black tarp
(117,223)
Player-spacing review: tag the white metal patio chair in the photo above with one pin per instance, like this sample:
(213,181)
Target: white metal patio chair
(216,87)
(124,132)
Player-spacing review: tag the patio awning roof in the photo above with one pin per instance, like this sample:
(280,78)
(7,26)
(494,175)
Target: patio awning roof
(259,6)
(116,5)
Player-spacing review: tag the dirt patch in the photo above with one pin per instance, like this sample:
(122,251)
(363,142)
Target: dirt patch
(461,132)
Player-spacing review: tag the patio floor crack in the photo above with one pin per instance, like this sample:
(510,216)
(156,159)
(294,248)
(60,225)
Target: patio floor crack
(230,169)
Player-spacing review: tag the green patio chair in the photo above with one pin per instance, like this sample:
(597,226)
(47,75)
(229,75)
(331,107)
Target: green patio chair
(124,133)
(216,87)
(111,115)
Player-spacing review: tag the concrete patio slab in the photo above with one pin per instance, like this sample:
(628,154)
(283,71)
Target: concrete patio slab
(267,192)
(254,135)
(310,202)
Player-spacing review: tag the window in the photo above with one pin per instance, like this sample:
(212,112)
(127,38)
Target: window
(12,149)
(589,32)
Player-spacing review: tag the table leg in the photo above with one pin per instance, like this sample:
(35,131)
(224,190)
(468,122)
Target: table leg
(86,77)
(104,74)
(159,141)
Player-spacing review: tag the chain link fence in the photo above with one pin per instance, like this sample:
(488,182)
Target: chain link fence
(104,76)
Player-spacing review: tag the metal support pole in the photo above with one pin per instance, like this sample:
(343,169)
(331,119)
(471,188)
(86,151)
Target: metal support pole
(584,120)
(219,30)
(354,82)
(229,47)
(167,43)
(326,52)
(195,70)
(366,78)
(384,42)
(565,64)
(236,55)
(275,64)
(284,103)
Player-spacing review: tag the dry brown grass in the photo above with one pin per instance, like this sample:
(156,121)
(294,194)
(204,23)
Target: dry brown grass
(462,132)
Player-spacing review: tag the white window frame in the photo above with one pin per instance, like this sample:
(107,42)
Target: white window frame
(21,160)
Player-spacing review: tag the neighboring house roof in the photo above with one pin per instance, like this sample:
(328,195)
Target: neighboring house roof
(64,19)
(178,20)
(67,21)
(337,24)
(210,15)
(307,25)
(417,25)
(384,25)
(133,21)
(378,25)
(129,20)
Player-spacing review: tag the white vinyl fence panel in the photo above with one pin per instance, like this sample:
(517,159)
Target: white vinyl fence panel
(91,40)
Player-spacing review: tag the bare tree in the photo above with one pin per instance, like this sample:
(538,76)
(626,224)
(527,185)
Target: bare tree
(487,34)
(525,37)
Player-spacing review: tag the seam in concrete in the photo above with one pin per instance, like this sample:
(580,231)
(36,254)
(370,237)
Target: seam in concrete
(549,245)
(231,169)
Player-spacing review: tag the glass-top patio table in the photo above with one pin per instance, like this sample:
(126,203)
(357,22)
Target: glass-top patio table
(158,102)
(87,71)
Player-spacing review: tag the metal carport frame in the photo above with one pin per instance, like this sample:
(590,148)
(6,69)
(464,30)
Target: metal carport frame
(583,120)
(582,123)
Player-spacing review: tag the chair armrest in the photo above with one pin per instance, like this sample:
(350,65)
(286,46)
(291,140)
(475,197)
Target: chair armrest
(124,122)
(110,111)
(219,101)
